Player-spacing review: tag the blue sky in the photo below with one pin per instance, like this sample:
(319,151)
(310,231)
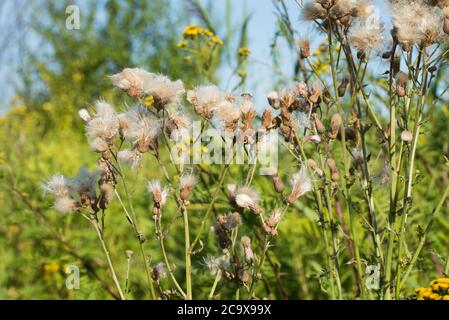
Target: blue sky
(261,33)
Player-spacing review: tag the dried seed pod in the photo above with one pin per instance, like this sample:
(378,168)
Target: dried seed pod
(350,134)
(396,65)
(336,122)
(315,94)
(312,138)
(273,99)
(320,128)
(401,84)
(361,56)
(277,181)
(272,222)
(386,55)
(333,168)
(342,87)
(267,119)
(300,89)
(186,184)
(304,47)
(314,167)
(246,243)
(432,69)
(244,275)
(223,238)
(107,193)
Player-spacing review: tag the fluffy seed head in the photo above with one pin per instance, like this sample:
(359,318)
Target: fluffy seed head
(104,124)
(158,194)
(66,205)
(301,183)
(130,156)
(186,184)
(57,186)
(132,80)
(205,99)
(163,90)
(142,128)
(248,198)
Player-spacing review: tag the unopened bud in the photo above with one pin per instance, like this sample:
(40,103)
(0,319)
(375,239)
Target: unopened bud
(318,124)
(84,114)
(333,168)
(267,119)
(406,136)
(342,87)
(273,99)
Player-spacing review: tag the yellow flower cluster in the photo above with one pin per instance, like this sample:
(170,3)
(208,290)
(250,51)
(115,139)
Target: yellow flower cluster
(244,52)
(438,290)
(192,32)
(52,267)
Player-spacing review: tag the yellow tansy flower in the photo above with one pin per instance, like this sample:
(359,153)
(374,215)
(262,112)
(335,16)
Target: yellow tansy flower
(216,40)
(244,52)
(182,44)
(149,101)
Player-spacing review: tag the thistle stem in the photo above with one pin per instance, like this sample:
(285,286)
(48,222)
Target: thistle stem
(108,257)
(187,254)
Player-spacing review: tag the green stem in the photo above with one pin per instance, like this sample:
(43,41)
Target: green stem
(108,257)
(187,255)
(423,239)
(164,254)
(133,220)
(214,286)
(209,209)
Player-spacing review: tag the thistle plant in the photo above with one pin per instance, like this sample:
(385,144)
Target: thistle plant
(349,138)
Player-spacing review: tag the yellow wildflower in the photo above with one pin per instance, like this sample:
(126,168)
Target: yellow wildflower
(444,285)
(13,229)
(244,52)
(149,101)
(204,149)
(182,44)
(216,40)
(52,267)
(191,31)
(446,297)
(435,296)
(207,33)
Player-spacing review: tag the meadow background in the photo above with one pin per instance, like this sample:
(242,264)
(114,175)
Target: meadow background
(48,73)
